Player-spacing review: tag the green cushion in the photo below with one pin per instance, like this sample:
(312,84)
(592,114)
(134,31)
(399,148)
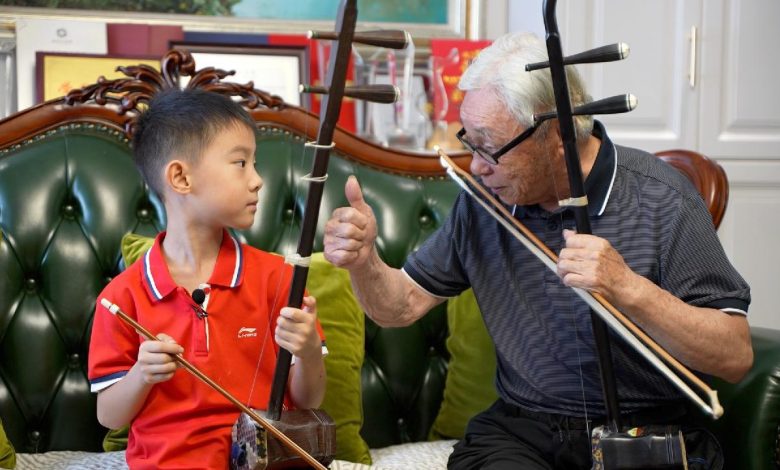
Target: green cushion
(470,383)
(7,452)
(343,322)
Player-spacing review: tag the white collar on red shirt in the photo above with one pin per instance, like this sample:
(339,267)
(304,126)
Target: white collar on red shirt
(228,270)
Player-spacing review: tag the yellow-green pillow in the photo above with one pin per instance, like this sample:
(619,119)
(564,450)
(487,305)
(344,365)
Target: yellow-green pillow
(469,387)
(7,452)
(133,246)
(343,323)
(116,439)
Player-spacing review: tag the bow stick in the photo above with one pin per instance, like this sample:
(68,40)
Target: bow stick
(625,328)
(333,93)
(115,310)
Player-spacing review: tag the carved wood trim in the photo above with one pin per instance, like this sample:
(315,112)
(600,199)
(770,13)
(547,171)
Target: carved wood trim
(392,160)
(707,176)
(116,104)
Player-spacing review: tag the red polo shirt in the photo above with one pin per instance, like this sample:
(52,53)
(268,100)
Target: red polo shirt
(184,423)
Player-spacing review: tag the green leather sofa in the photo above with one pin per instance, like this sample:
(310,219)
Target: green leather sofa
(69,192)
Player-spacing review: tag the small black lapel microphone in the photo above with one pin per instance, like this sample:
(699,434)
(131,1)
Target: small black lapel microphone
(199,296)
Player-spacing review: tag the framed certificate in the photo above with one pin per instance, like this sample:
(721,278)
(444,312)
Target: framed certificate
(273,69)
(58,73)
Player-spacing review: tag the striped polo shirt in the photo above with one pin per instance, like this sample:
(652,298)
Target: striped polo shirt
(546,355)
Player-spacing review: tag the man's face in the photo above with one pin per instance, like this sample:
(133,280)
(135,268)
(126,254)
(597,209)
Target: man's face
(524,175)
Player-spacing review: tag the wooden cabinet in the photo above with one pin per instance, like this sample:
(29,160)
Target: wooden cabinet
(656,70)
(703,71)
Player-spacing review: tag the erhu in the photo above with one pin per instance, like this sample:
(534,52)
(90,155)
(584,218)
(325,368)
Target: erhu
(313,429)
(612,447)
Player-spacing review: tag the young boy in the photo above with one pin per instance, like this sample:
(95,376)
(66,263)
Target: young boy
(197,151)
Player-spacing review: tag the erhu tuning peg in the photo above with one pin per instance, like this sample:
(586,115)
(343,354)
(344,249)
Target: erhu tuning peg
(393,39)
(610,53)
(613,105)
(375,93)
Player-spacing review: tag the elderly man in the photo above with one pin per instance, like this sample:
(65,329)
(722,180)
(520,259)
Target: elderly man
(655,256)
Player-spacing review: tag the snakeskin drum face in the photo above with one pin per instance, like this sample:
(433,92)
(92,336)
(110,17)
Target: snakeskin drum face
(249,449)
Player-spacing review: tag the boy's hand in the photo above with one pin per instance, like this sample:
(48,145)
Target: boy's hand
(155,359)
(296,330)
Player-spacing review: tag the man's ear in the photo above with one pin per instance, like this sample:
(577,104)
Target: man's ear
(177,177)
(555,129)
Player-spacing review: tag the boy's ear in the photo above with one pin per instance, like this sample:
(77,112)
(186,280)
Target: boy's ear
(177,177)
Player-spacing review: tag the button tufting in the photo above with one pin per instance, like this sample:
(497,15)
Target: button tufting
(69,211)
(35,436)
(143,214)
(289,215)
(425,218)
(74,361)
(31,285)
(109,279)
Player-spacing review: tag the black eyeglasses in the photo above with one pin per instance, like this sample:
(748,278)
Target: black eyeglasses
(493,158)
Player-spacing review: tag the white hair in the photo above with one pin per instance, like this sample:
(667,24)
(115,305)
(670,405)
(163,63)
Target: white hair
(501,66)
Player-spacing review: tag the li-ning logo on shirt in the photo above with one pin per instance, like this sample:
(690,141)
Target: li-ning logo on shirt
(245,332)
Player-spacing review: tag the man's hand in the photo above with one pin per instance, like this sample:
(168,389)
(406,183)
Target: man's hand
(296,330)
(590,262)
(351,231)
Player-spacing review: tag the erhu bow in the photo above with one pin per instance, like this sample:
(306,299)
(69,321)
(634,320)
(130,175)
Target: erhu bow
(295,448)
(624,327)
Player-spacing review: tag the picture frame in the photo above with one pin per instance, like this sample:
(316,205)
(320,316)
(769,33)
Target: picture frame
(7,77)
(459,15)
(252,63)
(57,73)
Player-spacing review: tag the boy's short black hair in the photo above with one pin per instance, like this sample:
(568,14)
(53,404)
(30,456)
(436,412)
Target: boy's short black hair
(181,123)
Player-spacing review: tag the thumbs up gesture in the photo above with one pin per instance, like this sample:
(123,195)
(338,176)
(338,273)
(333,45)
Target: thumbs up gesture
(351,231)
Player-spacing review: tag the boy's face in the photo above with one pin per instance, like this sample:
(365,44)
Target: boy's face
(224,180)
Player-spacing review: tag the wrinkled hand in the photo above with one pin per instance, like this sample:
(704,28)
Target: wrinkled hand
(590,262)
(296,330)
(351,231)
(155,359)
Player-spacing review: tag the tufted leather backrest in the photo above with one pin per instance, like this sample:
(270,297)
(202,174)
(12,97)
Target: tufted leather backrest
(707,176)
(66,199)
(68,193)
